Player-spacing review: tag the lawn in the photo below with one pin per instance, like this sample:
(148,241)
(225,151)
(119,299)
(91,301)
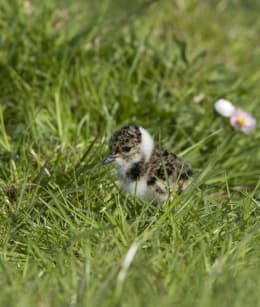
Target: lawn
(74,71)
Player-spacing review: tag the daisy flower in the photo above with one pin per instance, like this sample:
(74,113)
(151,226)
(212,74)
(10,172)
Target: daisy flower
(242,121)
(224,107)
(238,118)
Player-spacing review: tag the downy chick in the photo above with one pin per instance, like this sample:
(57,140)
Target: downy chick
(144,170)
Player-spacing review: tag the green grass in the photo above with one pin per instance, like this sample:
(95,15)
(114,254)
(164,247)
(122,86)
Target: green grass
(71,73)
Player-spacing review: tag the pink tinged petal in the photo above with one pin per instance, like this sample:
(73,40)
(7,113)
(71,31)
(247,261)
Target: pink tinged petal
(242,121)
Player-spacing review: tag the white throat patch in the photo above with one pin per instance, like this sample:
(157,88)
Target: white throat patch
(147,144)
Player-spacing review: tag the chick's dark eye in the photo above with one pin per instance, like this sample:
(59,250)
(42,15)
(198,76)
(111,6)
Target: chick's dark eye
(126,148)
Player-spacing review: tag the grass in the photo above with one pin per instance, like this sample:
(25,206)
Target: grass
(71,73)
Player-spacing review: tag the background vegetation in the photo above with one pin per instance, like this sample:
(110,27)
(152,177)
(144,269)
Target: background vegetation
(71,73)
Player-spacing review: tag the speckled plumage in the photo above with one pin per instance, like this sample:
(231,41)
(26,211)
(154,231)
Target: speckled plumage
(144,170)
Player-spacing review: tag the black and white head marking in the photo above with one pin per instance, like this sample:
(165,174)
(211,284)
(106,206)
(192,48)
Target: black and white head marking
(130,144)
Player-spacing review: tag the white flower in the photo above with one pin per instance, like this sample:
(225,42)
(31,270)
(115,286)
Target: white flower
(224,107)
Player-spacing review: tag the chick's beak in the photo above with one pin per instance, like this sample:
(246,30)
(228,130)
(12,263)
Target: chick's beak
(108,159)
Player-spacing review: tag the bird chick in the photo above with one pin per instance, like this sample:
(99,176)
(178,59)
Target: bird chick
(145,170)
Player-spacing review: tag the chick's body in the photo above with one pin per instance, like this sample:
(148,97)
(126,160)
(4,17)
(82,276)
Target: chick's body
(143,169)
